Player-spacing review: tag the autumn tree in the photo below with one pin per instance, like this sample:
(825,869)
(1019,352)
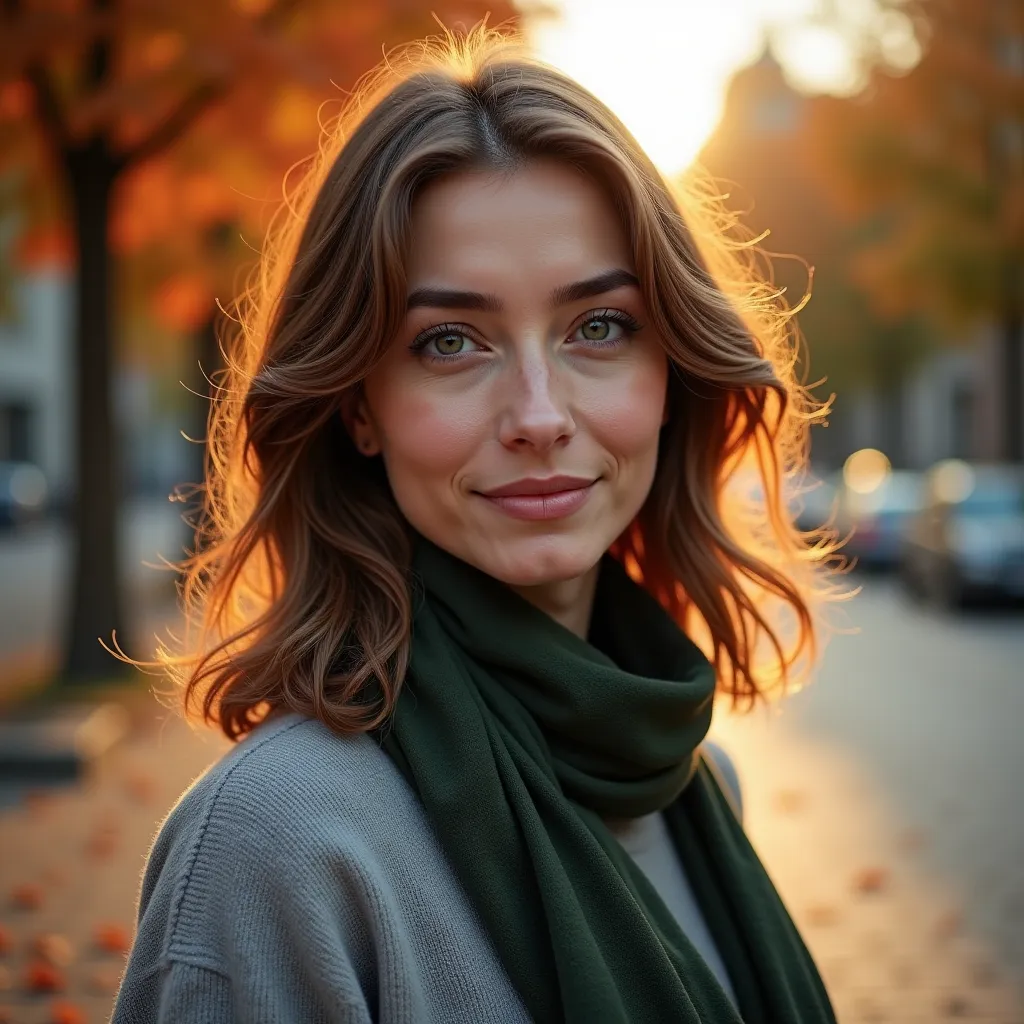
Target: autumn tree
(763,156)
(932,163)
(146,126)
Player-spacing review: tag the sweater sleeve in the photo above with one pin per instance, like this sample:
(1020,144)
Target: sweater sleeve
(175,992)
(182,993)
(235,924)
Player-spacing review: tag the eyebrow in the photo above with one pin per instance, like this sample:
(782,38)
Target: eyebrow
(450,298)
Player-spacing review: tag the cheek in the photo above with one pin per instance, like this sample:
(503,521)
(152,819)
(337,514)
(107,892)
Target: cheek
(424,434)
(627,418)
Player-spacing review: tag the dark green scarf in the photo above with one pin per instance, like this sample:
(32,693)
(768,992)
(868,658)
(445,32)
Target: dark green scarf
(519,736)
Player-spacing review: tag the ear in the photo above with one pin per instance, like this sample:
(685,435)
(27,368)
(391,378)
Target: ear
(359,424)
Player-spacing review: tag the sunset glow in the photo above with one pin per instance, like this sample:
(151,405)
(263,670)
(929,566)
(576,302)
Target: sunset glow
(664,67)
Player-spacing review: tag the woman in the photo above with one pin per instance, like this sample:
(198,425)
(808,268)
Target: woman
(468,479)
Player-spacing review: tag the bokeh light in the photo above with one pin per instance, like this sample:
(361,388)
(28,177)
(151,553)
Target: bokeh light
(865,471)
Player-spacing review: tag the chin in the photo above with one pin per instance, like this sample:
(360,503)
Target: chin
(537,561)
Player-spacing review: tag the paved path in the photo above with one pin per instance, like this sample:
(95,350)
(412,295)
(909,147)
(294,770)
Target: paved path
(883,800)
(33,580)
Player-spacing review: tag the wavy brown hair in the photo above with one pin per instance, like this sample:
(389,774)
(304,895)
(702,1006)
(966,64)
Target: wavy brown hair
(298,595)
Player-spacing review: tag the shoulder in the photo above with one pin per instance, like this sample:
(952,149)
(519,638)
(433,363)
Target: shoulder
(295,819)
(301,870)
(286,779)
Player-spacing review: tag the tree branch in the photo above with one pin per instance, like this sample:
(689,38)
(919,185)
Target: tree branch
(50,113)
(53,121)
(204,96)
(175,124)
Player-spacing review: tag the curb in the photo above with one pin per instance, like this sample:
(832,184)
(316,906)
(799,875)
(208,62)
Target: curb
(61,744)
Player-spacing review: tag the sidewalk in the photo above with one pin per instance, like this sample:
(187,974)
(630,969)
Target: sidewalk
(894,940)
(889,940)
(883,801)
(34,567)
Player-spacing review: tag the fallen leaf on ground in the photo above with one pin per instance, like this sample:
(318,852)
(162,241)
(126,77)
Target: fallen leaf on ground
(790,801)
(43,977)
(54,948)
(64,1012)
(27,896)
(104,980)
(141,788)
(870,880)
(112,937)
(101,845)
(822,915)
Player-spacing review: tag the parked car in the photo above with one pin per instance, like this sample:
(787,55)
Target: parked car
(23,493)
(968,540)
(814,504)
(872,521)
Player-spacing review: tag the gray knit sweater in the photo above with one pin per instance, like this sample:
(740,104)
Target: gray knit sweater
(299,880)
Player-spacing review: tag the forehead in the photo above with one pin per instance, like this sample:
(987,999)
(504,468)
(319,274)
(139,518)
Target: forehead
(542,223)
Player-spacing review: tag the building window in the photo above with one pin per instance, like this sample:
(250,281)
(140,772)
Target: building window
(15,432)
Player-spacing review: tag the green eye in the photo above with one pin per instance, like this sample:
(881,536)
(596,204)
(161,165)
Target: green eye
(450,344)
(596,330)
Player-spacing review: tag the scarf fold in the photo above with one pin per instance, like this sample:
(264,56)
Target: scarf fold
(520,737)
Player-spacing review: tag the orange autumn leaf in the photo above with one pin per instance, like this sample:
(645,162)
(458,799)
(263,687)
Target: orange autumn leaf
(870,880)
(15,100)
(41,976)
(54,948)
(64,1012)
(183,303)
(46,247)
(27,896)
(111,937)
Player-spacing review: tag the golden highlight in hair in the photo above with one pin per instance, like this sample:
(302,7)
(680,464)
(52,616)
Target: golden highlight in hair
(297,597)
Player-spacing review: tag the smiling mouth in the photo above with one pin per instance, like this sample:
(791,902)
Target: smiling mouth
(541,499)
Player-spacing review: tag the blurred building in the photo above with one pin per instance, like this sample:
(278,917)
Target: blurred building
(36,394)
(35,384)
(919,401)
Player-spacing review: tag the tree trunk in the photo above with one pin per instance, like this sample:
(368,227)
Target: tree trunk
(96,609)
(207,362)
(1012,337)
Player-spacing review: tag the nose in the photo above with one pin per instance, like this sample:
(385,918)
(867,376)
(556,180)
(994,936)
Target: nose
(537,414)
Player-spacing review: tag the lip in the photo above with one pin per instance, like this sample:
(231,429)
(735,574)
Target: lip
(552,498)
(530,486)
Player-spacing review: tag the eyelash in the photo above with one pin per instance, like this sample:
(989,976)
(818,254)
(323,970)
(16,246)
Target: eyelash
(624,319)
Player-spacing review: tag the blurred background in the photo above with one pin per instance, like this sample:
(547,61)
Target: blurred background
(875,146)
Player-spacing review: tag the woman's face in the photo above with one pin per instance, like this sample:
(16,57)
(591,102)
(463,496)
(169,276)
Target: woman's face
(519,407)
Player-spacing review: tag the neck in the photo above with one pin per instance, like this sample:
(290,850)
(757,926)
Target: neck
(568,602)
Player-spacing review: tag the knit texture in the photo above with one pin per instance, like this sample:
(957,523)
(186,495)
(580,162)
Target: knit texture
(298,880)
(519,736)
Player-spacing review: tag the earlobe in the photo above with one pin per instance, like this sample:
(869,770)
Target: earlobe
(358,424)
